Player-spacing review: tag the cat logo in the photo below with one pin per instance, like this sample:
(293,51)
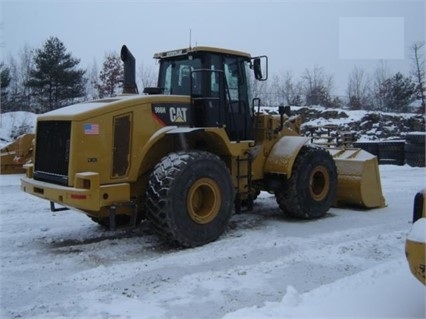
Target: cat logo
(178,114)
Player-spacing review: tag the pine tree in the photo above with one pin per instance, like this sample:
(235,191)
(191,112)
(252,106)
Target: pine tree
(397,93)
(4,83)
(55,80)
(110,76)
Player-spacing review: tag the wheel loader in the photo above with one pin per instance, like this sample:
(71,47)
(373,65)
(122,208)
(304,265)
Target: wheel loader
(189,152)
(15,154)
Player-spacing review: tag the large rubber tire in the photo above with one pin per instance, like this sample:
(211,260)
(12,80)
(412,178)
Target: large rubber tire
(416,138)
(391,152)
(370,147)
(415,155)
(190,198)
(311,189)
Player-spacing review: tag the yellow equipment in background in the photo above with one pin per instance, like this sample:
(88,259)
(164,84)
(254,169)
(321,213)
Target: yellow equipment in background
(16,154)
(415,244)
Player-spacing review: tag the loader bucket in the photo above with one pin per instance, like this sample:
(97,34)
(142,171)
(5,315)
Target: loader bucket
(358,178)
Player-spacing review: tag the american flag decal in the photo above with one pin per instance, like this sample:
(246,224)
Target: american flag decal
(91,129)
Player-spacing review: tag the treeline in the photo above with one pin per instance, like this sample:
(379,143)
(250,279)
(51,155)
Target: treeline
(380,90)
(50,77)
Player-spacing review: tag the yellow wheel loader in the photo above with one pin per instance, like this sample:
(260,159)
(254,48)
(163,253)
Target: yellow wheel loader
(415,244)
(188,152)
(16,154)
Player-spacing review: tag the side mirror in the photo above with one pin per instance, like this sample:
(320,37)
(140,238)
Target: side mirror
(258,64)
(257,69)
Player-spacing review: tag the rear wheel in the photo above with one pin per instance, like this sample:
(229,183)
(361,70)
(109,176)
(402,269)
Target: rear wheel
(190,198)
(311,189)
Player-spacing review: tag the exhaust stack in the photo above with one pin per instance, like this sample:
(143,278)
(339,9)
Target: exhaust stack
(129,82)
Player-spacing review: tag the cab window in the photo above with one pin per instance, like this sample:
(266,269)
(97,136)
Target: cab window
(175,76)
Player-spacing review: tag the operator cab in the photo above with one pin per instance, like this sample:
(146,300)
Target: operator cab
(218,82)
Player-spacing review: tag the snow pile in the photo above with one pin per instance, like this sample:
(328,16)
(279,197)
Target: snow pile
(366,125)
(382,291)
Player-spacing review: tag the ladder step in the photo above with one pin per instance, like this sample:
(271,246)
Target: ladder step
(242,176)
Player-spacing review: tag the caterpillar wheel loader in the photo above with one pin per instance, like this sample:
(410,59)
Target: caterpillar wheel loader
(188,152)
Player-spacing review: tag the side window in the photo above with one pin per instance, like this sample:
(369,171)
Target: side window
(168,79)
(214,82)
(175,76)
(232,75)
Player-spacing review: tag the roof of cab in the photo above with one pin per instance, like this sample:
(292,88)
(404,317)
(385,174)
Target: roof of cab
(172,53)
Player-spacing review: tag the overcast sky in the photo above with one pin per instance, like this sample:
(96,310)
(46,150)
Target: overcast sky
(294,34)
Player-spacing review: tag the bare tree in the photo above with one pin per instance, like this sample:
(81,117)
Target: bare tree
(317,87)
(381,74)
(260,89)
(358,89)
(92,81)
(19,94)
(419,70)
(147,76)
(276,91)
(287,89)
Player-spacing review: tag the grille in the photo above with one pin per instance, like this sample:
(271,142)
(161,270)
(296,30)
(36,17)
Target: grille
(52,151)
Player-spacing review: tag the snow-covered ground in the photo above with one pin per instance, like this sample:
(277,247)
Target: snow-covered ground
(350,263)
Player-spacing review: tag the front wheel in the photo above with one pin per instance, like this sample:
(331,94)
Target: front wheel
(311,189)
(190,198)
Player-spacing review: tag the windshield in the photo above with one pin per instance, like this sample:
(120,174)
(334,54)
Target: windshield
(174,77)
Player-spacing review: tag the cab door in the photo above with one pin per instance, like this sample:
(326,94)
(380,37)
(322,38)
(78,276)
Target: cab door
(237,106)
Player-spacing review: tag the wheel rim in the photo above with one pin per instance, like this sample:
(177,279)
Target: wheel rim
(204,200)
(319,183)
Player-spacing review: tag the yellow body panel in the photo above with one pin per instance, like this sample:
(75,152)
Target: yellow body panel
(92,198)
(415,252)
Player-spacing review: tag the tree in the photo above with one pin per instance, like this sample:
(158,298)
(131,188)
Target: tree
(419,72)
(55,79)
(286,90)
(147,75)
(317,87)
(358,89)
(19,95)
(292,90)
(15,96)
(397,93)
(111,76)
(4,82)
(92,81)
(260,90)
(381,74)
